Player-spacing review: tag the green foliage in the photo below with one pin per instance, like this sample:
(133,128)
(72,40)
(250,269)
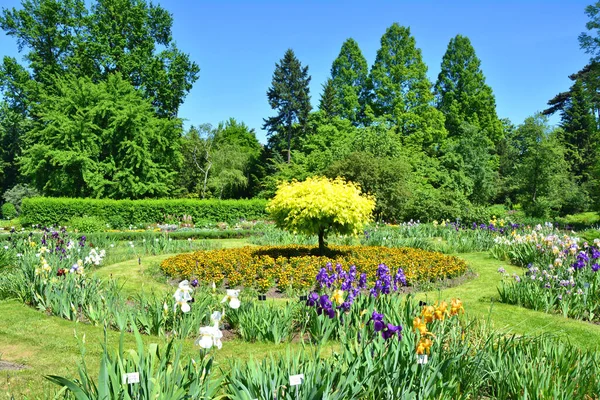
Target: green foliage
(589,43)
(401,92)
(12,128)
(9,211)
(320,206)
(101,140)
(462,94)
(98,39)
(289,95)
(163,373)
(328,104)
(48,211)
(264,322)
(580,134)
(544,179)
(470,163)
(386,179)
(87,224)
(349,74)
(17,193)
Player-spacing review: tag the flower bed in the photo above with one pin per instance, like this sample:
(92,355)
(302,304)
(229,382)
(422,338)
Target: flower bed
(564,279)
(297,266)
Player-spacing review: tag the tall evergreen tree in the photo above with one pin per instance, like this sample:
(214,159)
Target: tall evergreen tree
(401,92)
(289,94)
(580,134)
(462,94)
(349,74)
(329,103)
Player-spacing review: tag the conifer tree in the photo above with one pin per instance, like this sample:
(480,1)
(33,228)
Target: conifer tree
(349,74)
(289,95)
(462,94)
(328,103)
(580,134)
(401,92)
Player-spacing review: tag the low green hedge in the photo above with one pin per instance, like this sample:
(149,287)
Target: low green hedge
(134,236)
(120,213)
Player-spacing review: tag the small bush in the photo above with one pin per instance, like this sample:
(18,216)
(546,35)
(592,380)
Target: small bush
(297,266)
(9,211)
(18,193)
(87,224)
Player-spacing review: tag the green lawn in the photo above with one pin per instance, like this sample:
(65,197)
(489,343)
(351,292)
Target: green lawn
(135,276)
(47,345)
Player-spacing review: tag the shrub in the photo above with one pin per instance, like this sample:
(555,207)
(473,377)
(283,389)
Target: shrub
(87,224)
(9,211)
(321,206)
(297,266)
(18,193)
(48,211)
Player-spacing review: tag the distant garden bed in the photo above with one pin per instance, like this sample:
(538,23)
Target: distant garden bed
(295,267)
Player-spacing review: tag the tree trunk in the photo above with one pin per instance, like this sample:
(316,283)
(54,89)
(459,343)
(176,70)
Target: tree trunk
(289,140)
(322,241)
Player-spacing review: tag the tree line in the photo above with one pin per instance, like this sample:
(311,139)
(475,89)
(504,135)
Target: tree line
(93,112)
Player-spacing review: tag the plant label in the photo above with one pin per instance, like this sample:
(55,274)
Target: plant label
(296,380)
(422,359)
(132,377)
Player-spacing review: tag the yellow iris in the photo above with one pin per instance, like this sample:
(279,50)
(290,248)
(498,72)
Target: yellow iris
(456,306)
(419,324)
(440,311)
(338,296)
(424,345)
(427,313)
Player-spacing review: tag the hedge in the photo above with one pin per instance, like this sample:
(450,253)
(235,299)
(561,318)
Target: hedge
(50,210)
(148,235)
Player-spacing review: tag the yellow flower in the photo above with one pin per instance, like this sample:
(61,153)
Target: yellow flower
(427,313)
(424,345)
(441,311)
(338,296)
(456,306)
(419,324)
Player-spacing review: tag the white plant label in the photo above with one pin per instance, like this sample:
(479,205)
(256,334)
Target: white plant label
(132,377)
(296,380)
(422,359)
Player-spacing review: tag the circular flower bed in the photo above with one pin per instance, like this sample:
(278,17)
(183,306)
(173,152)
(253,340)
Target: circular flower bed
(297,266)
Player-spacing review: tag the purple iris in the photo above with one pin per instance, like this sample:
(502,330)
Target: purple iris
(362,281)
(391,331)
(312,299)
(595,267)
(400,277)
(377,321)
(194,282)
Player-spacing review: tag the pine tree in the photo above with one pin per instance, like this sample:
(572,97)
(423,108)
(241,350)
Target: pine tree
(401,92)
(580,134)
(328,103)
(289,94)
(462,94)
(349,74)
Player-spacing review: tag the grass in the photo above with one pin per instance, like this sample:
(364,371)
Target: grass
(47,345)
(146,276)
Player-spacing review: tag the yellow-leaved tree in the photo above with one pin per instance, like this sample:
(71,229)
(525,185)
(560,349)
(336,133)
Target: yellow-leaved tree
(320,206)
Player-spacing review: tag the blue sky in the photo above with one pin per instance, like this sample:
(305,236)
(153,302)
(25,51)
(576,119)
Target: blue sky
(527,48)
